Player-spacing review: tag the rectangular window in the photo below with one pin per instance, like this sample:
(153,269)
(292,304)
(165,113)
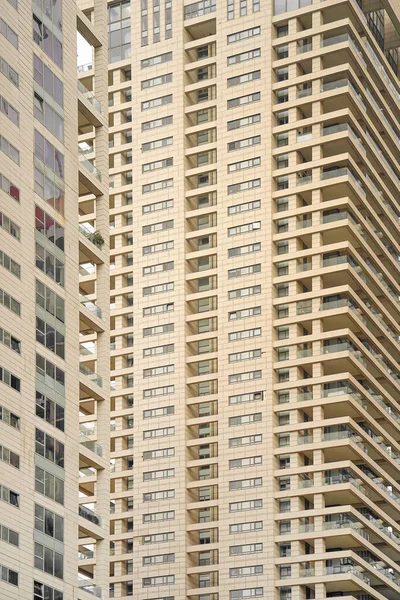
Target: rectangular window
(9,379)
(49,561)
(157,185)
(245,78)
(50,411)
(158,268)
(238,188)
(9,72)
(157,371)
(49,117)
(9,150)
(156,103)
(243,35)
(8,263)
(245,549)
(49,155)
(155,144)
(158,433)
(168,515)
(157,227)
(10,226)
(42,591)
(160,474)
(244,271)
(9,111)
(155,60)
(9,33)
(245,398)
(245,334)
(159,559)
(245,355)
(158,289)
(159,580)
(49,523)
(245,419)
(9,496)
(158,454)
(48,485)
(119,27)
(157,165)
(243,377)
(198,9)
(45,39)
(47,262)
(244,143)
(9,302)
(244,484)
(157,206)
(159,538)
(164,411)
(244,100)
(244,207)
(154,81)
(243,292)
(242,463)
(242,250)
(158,309)
(244,164)
(244,122)
(9,418)
(47,80)
(10,341)
(9,188)
(49,448)
(162,247)
(8,575)
(158,329)
(155,123)
(236,59)
(9,457)
(245,505)
(246,440)
(165,390)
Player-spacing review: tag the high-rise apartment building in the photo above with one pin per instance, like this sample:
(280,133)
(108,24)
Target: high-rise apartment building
(254,214)
(54,296)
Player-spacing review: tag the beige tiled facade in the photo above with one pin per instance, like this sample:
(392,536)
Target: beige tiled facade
(254,220)
(54,297)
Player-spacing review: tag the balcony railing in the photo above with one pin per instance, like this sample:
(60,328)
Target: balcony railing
(88,166)
(90,445)
(90,305)
(90,588)
(94,236)
(91,375)
(89,515)
(90,97)
(85,67)
(345,569)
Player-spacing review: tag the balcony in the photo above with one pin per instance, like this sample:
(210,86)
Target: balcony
(91,306)
(89,515)
(89,96)
(91,375)
(88,166)
(90,445)
(90,588)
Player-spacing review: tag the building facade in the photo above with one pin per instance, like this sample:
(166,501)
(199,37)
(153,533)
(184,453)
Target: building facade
(54,295)
(254,221)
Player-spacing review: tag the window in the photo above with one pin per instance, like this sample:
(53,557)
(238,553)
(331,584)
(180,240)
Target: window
(198,9)
(9,536)
(158,538)
(247,440)
(49,561)
(156,103)
(8,263)
(244,100)
(245,549)
(168,515)
(49,523)
(244,164)
(159,580)
(158,185)
(244,122)
(156,60)
(245,334)
(8,576)
(50,411)
(158,433)
(164,411)
(48,80)
(245,398)
(245,505)
(9,496)
(154,81)
(49,155)
(244,271)
(155,144)
(155,123)
(157,227)
(9,150)
(9,457)
(158,164)
(47,40)
(242,463)
(282,6)
(158,454)
(245,78)
(158,329)
(9,379)
(9,72)
(9,302)
(244,313)
(161,495)
(243,56)
(49,448)
(48,485)
(246,593)
(9,418)
(160,474)
(158,268)
(119,28)
(245,355)
(157,206)
(45,592)
(9,111)
(47,262)
(49,301)
(243,292)
(44,113)
(9,188)
(158,289)
(245,419)
(158,309)
(9,33)
(246,186)
(243,35)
